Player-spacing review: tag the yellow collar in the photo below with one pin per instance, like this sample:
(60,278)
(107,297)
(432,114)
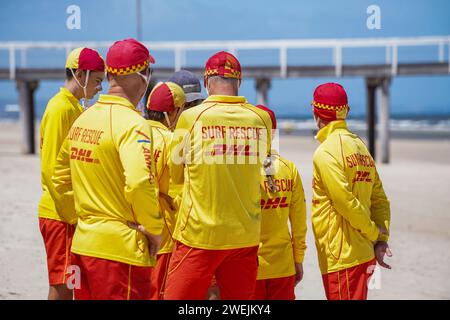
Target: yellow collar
(330,128)
(71,97)
(110,99)
(225,99)
(157,124)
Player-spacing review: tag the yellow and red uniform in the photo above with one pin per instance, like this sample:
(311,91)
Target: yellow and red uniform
(166,97)
(107,159)
(162,137)
(60,113)
(349,202)
(219,214)
(280,249)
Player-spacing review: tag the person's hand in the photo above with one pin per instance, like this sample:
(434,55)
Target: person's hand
(382,248)
(154,240)
(298,272)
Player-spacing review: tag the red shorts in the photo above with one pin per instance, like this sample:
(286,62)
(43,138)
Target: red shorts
(159,276)
(57,237)
(275,289)
(191,271)
(349,284)
(101,279)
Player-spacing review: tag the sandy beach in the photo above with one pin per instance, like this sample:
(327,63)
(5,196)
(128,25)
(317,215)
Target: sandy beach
(417,181)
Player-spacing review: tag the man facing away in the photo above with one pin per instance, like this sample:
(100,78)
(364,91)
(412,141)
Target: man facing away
(281,251)
(84,76)
(165,103)
(216,151)
(350,211)
(107,161)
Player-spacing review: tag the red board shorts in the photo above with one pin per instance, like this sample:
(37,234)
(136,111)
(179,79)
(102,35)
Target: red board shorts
(191,271)
(57,237)
(275,289)
(159,276)
(102,279)
(349,284)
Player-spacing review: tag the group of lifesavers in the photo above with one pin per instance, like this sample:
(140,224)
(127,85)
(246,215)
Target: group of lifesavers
(188,200)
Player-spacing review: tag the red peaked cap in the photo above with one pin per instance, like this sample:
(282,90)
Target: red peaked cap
(127,56)
(223,64)
(330,102)
(271,114)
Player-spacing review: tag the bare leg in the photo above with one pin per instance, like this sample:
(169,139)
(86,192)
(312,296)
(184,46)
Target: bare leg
(60,292)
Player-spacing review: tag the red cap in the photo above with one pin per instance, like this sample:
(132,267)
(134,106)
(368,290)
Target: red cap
(271,114)
(223,64)
(166,97)
(85,59)
(330,102)
(127,56)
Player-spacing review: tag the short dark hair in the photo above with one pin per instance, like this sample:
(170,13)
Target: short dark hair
(155,115)
(69,75)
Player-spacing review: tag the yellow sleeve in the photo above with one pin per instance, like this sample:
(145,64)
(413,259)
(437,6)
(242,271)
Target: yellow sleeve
(61,187)
(136,155)
(340,194)
(179,140)
(52,138)
(297,217)
(380,208)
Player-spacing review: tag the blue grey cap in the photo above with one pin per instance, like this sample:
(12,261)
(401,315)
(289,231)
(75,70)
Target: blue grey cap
(190,84)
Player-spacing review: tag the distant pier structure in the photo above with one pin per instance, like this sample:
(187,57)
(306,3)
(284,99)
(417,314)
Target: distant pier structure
(377,75)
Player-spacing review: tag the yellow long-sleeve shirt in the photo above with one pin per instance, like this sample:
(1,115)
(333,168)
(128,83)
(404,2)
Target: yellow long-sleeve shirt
(61,111)
(348,200)
(279,248)
(107,159)
(162,138)
(217,150)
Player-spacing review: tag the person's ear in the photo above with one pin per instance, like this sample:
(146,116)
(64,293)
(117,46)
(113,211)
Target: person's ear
(79,74)
(239,83)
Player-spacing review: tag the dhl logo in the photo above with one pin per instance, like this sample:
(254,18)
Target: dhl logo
(232,150)
(274,203)
(82,155)
(363,176)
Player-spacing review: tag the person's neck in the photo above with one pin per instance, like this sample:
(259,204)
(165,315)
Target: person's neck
(120,92)
(74,89)
(223,91)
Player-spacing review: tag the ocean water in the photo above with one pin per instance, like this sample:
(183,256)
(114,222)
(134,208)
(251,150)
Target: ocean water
(433,126)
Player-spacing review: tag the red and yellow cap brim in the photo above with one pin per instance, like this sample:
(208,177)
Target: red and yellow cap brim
(128,70)
(329,112)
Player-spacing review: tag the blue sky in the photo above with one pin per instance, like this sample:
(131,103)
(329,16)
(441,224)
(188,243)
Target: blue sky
(172,20)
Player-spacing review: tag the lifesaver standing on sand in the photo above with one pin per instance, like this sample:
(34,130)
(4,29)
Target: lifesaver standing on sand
(218,225)
(84,75)
(281,251)
(350,211)
(114,184)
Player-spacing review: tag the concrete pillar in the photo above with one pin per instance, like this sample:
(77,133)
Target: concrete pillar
(262,90)
(26,101)
(371,86)
(384,120)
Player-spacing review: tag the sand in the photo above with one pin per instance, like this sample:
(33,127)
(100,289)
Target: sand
(417,181)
